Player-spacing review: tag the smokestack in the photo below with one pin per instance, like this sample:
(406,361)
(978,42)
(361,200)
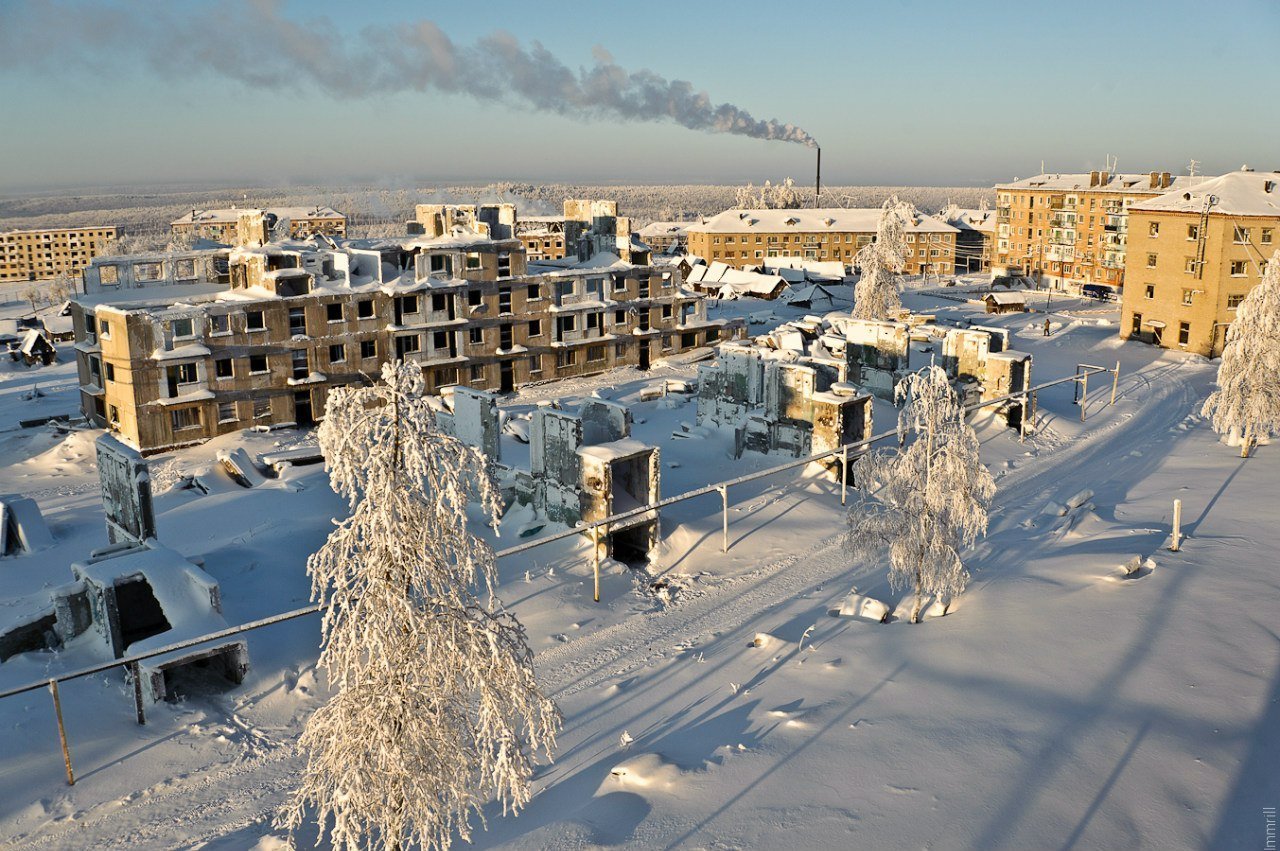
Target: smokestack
(817,183)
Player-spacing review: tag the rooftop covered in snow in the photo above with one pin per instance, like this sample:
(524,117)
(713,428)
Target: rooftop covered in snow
(1237,193)
(821,220)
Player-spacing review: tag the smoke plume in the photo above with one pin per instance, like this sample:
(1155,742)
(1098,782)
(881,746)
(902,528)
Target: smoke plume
(253,42)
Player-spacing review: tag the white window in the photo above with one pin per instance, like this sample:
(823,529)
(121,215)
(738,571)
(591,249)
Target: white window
(1239,268)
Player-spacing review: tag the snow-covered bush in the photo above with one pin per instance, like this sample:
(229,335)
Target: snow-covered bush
(928,501)
(1247,401)
(434,709)
(880,264)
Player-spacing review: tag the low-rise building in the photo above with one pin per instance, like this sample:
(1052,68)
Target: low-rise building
(223,225)
(742,238)
(975,240)
(666,237)
(1069,230)
(1193,257)
(40,255)
(256,335)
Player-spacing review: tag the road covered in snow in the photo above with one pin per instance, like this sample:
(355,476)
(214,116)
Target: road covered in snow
(714,700)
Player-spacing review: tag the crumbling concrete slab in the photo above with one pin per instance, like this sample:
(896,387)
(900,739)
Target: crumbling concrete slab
(22,526)
(475,420)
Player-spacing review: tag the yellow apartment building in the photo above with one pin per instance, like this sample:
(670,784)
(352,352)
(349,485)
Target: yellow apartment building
(39,255)
(1069,230)
(742,238)
(1193,256)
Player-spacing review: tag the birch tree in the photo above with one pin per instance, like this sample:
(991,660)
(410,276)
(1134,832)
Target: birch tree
(880,264)
(1247,401)
(925,502)
(434,708)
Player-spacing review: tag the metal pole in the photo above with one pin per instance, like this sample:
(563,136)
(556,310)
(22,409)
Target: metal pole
(1115,383)
(62,732)
(1084,394)
(136,670)
(844,474)
(724,506)
(1177,525)
(595,557)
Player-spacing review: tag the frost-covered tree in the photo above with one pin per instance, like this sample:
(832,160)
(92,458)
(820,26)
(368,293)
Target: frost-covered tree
(925,502)
(745,198)
(435,709)
(1247,401)
(880,264)
(785,196)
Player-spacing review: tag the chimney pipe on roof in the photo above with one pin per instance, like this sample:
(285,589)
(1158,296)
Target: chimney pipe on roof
(1155,180)
(1104,177)
(1166,180)
(1093,178)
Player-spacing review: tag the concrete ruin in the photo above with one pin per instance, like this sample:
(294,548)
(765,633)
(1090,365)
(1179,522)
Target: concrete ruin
(145,596)
(585,467)
(780,402)
(979,361)
(22,526)
(876,352)
(472,417)
(126,491)
(134,595)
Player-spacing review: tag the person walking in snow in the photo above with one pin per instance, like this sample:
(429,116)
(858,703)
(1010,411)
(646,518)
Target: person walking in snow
(1046,326)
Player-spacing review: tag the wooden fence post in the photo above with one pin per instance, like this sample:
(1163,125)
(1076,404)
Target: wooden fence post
(595,558)
(1115,383)
(1177,525)
(62,732)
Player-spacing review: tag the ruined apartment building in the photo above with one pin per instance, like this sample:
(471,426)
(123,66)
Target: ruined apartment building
(1193,257)
(215,341)
(1072,229)
(744,238)
(41,255)
(221,225)
(541,237)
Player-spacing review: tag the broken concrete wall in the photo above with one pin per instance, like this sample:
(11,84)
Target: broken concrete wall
(604,421)
(1005,373)
(729,388)
(839,418)
(475,420)
(168,676)
(618,477)
(788,391)
(126,491)
(22,526)
(877,354)
(554,440)
(964,353)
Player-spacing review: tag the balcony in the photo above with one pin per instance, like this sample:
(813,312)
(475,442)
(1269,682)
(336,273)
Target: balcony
(1060,253)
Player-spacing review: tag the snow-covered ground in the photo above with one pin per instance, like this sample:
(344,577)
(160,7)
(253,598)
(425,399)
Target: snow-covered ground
(1059,704)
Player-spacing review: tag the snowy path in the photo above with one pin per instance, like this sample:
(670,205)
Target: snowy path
(230,799)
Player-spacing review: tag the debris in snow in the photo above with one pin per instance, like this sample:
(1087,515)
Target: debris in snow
(625,740)
(1079,499)
(858,606)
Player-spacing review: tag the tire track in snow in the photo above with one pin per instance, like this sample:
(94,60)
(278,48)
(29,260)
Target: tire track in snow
(219,799)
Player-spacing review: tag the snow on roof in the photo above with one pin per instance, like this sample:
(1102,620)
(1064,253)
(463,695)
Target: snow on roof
(56,323)
(31,339)
(664,229)
(627,447)
(1238,193)
(230,215)
(1005,298)
(979,220)
(821,220)
(1120,183)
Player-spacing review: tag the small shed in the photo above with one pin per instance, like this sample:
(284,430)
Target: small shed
(1008,302)
(36,348)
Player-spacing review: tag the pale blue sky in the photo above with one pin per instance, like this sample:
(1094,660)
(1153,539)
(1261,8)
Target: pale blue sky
(909,92)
